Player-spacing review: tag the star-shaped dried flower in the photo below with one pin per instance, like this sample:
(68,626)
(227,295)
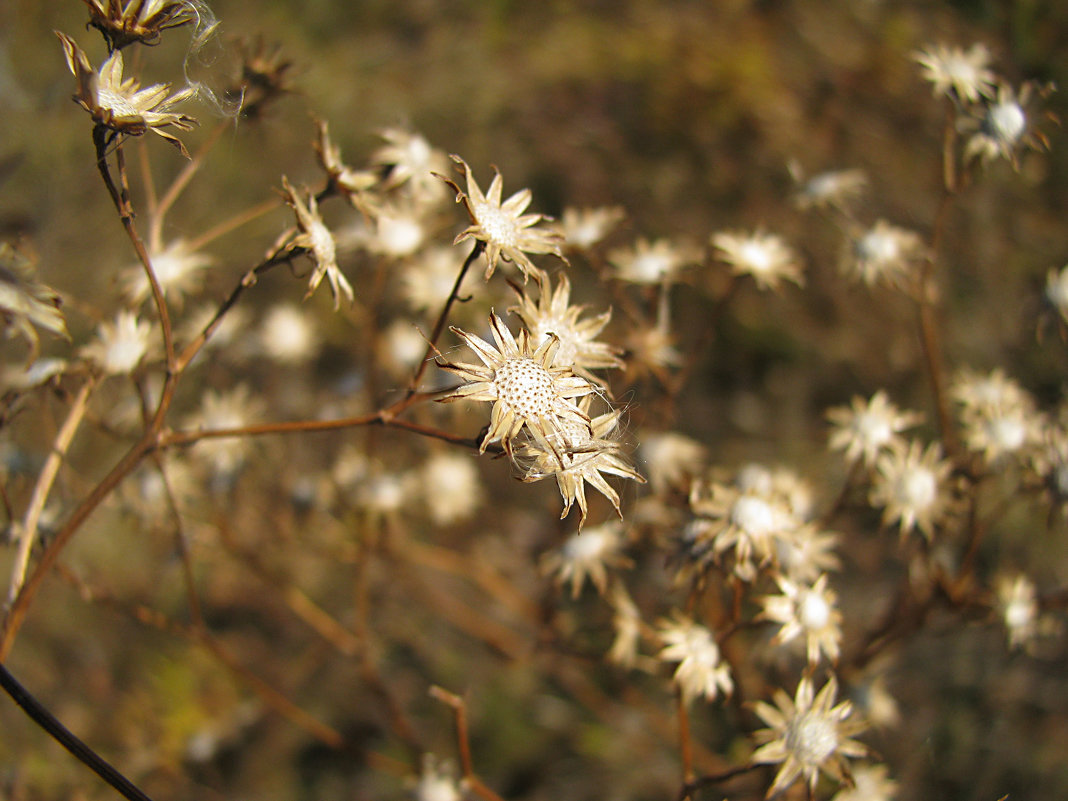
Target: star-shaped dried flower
(959,74)
(316,238)
(552,314)
(1006,125)
(866,428)
(766,257)
(508,234)
(883,253)
(143,21)
(120,346)
(807,735)
(120,104)
(413,162)
(910,485)
(588,554)
(527,389)
(1017,601)
(582,228)
(580,454)
(701,671)
(809,611)
(652,262)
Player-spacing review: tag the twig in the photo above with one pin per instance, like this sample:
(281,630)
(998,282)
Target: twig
(460,714)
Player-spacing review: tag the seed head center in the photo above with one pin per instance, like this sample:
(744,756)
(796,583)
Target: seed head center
(496,225)
(527,387)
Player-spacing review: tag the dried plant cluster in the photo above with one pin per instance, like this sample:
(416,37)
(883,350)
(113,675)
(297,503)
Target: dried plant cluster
(310,493)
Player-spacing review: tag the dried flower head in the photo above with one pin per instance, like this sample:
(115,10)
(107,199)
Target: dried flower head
(588,554)
(227,410)
(527,389)
(507,232)
(412,162)
(437,781)
(765,257)
(671,460)
(627,622)
(120,346)
(866,428)
(582,228)
(120,104)
(288,335)
(804,553)
(1005,125)
(835,189)
(883,253)
(701,671)
(26,303)
(963,76)
(809,611)
(178,270)
(580,453)
(1056,292)
(870,783)
(451,487)
(998,415)
(262,78)
(124,22)
(314,237)
(910,485)
(652,262)
(356,185)
(553,314)
(807,735)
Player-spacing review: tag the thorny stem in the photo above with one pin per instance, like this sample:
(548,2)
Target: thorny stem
(47,476)
(65,737)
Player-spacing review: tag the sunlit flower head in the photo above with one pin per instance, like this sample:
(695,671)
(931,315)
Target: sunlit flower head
(120,104)
(582,228)
(528,390)
(398,232)
(765,257)
(314,237)
(143,20)
(670,459)
(356,185)
(508,233)
(959,74)
(1005,125)
(1017,601)
(178,270)
(627,623)
(804,553)
(835,189)
(288,335)
(652,262)
(866,428)
(226,410)
(451,487)
(437,782)
(552,314)
(412,161)
(120,346)
(807,735)
(910,485)
(883,254)
(870,783)
(1056,292)
(701,673)
(26,304)
(588,554)
(806,611)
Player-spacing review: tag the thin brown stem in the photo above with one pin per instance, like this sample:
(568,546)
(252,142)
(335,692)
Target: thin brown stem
(463,742)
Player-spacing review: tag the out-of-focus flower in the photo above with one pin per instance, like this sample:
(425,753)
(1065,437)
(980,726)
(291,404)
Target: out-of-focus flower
(998,415)
(1005,125)
(263,76)
(25,303)
(652,262)
(428,278)
(527,389)
(398,232)
(580,454)
(27,376)
(354,184)
(701,671)
(552,314)
(451,487)
(219,411)
(120,346)
(765,257)
(177,269)
(413,162)
(832,189)
(959,74)
(803,553)
(627,622)
(124,22)
(910,486)
(883,253)
(582,228)
(120,104)
(671,460)
(287,335)
(400,348)
(437,782)
(1050,463)
(807,735)
(507,232)
(314,237)
(809,611)
(866,428)
(979,392)
(870,783)
(1017,602)
(588,554)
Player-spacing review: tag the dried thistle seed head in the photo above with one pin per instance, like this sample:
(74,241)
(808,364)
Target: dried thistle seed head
(1006,124)
(120,346)
(809,611)
(178,270)
(652,262)
(527,389)
(315,238)
(807,735)
(866,428)
(410,161)
(507,232)
(701,672)
(119,104)
(910,485)
(834,189)
(582,228)
(123,23)
(588,554)
(262,79)
(883,253)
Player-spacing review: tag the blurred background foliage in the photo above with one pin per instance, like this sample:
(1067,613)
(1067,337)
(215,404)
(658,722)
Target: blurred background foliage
(685,113)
